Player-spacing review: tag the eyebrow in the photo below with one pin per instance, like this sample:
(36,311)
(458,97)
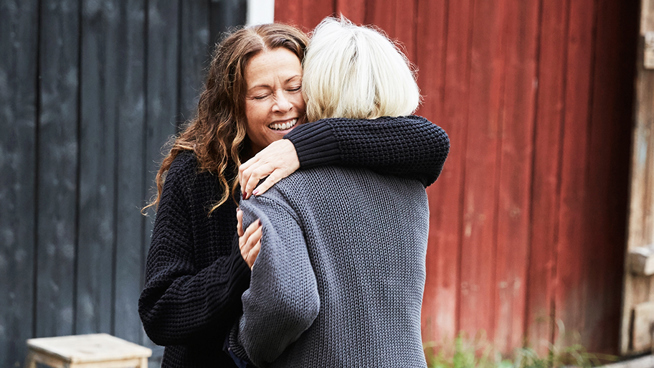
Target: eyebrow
(268,86)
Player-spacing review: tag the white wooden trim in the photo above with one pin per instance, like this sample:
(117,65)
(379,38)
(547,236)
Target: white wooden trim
(260,12)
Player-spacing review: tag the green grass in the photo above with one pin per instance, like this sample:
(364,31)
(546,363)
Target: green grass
(477,352)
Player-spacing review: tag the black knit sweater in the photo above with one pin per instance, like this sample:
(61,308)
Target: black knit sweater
(194,282)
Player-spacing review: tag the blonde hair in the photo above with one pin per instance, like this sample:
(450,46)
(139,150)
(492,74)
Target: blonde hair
(356,72)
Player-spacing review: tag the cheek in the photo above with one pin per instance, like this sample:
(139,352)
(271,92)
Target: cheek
(298,102)
(254,113)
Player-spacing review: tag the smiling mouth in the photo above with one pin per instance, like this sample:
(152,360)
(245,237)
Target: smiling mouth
(283,126)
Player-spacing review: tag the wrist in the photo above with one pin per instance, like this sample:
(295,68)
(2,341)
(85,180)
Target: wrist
(315,144)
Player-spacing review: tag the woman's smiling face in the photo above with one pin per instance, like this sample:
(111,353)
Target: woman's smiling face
(273,100)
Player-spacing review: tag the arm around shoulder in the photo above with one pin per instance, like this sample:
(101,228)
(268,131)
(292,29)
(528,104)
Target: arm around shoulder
(408,146)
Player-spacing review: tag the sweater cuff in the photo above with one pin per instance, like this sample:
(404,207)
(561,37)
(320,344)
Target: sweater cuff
(235,350)
(315,144)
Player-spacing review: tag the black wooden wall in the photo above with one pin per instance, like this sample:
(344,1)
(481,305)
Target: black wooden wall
(89,92)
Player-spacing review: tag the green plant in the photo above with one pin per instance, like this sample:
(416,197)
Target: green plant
(477,352)
(464,352)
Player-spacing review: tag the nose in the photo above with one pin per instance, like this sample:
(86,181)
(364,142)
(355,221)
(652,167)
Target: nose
(282,104)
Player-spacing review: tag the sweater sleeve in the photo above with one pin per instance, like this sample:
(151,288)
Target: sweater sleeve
(282,301)
(410,147)
(180,303)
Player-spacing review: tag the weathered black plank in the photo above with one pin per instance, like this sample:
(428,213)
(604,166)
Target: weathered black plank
(57,171)
(130,114)
(195,53)
(162,85)
(18,114)
(162,71)
(100,63)
(226,15)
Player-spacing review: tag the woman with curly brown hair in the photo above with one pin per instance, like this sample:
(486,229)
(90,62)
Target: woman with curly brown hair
(252,99)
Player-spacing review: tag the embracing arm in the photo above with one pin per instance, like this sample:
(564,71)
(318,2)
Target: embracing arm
(282,301)
(180,302)
(409,146)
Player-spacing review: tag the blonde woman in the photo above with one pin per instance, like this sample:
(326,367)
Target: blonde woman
(339,277)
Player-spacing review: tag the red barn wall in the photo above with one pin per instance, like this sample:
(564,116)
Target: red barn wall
(528,218)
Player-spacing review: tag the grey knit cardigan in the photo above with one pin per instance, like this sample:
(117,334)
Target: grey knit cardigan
(340,276)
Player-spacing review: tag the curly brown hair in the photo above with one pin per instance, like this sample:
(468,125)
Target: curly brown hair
(217,134)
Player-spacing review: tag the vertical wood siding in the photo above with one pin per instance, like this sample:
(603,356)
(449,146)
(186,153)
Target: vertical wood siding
(639,289)
(18,185)
(545,188)
(57,165)
(89,93)
(528,218)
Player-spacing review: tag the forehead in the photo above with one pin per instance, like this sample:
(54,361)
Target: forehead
(270,66)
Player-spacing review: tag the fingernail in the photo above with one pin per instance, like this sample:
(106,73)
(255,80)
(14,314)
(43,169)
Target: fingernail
(255,192)
(244,195)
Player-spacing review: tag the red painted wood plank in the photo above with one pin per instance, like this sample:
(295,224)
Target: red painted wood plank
(398,20)
(455,120)
(440,298)
(478,249)
(381,13)
(315,11)
(303,13)
(514,207)
(608,174)
(354,10)
(289,11)
(405,27)
(430,59)
(547,167)
(572,248)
